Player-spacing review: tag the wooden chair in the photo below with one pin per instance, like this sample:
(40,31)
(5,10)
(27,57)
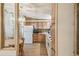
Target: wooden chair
(21,45)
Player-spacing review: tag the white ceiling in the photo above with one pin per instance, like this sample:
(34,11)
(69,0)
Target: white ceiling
(34,10)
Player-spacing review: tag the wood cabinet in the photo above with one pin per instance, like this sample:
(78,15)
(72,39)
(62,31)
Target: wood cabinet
(38,38)
(38,24)
(35,38)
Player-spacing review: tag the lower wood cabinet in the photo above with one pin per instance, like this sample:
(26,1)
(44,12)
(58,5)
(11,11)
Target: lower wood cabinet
(35,38)
(38,38)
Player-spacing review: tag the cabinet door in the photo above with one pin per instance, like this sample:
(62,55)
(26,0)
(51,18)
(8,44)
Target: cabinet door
(35,38)
(41,38)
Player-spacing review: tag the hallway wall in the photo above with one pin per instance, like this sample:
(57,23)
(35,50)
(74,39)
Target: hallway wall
(65,29)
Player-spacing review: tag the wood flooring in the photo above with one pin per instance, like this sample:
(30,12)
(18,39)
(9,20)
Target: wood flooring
(35,49)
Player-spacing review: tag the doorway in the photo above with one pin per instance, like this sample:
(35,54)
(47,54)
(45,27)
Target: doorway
(37,25)
(8,46)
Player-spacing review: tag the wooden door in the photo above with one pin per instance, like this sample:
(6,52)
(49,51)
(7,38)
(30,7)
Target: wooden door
(2,26)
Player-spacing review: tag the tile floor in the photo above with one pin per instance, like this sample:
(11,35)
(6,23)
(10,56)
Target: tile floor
(8,52)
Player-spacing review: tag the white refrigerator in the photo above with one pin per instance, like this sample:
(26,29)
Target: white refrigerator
(27,33)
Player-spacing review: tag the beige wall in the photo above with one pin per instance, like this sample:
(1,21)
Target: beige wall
(65,29)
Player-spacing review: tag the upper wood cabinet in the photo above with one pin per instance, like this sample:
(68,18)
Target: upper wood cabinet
(38,24)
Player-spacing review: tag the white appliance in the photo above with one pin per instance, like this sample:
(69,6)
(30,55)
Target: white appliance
(27,33)
(48,43)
